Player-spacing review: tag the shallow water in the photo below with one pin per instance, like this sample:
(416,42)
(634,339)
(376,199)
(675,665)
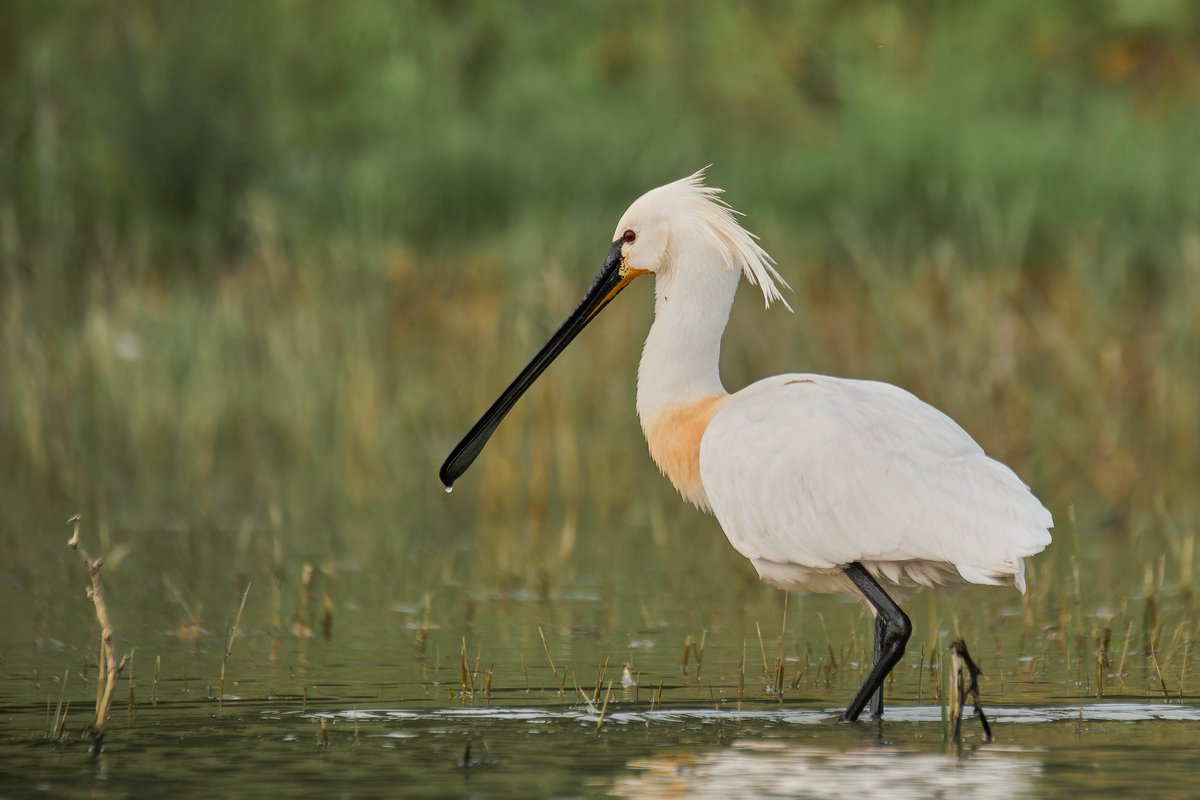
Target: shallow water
(378,706)
(255,747)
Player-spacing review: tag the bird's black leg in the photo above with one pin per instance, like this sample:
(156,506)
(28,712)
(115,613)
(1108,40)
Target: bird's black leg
(880,632)
(895,627)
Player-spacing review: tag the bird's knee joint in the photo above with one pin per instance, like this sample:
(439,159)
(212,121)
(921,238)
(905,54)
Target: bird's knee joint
(899,631)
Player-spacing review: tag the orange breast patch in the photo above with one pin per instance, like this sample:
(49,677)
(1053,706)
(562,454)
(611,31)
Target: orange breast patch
(674,438)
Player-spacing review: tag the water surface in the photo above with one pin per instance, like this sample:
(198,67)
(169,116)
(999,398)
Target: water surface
(378,706)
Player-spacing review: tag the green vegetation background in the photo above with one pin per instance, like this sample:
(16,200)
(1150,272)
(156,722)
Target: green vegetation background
(261,264)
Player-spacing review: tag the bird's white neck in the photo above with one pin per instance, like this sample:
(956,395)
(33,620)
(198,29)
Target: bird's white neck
(679,381)
(681,358)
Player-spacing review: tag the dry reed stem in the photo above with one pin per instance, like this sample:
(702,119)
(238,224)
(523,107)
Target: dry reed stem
(604,708)
(1125,651)
(656,696)
(100,667)
(1177,639)
(56,727)
(132,683)
(766,675)
(230,636)
(1183,671)
(464,673)
(111,668)
(546,647)
(742,674)
(1158,671)
(920,672)
(601,672)
(833,662)
(783,625)
(587,701)
(688,644)
(60,730)
(935,666)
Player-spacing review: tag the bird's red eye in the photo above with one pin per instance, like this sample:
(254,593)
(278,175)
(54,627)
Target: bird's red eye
(629,236)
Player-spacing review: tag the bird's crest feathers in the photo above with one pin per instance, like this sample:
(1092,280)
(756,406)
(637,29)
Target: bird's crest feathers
(739,246)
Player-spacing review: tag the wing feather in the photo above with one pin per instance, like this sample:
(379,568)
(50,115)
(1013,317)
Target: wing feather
(819,472)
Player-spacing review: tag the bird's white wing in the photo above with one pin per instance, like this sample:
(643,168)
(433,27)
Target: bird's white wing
(818,472)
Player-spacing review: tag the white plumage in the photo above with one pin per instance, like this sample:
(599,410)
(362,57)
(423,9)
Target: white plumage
(825,484)
(807,473)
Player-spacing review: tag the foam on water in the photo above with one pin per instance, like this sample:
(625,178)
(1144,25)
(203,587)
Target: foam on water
(1093,712)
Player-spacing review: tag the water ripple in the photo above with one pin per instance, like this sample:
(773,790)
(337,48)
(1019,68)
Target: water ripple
(1093,712)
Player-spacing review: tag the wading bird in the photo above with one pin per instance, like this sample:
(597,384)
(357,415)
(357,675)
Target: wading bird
(825,484)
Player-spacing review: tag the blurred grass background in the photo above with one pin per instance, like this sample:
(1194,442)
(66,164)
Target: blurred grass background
(261,264)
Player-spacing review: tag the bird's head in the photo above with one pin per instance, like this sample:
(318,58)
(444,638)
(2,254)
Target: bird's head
(682,225)
(686,221)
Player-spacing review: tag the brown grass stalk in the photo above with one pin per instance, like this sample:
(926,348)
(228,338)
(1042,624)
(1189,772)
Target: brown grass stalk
(230,636)
(111,668)
(546,647)
(604,708)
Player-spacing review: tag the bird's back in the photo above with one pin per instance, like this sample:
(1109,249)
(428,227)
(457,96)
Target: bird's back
(808,473)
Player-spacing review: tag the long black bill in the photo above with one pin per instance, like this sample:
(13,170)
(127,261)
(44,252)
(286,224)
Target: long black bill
(611,280)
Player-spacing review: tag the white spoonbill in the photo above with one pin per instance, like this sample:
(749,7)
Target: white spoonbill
(825,484)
